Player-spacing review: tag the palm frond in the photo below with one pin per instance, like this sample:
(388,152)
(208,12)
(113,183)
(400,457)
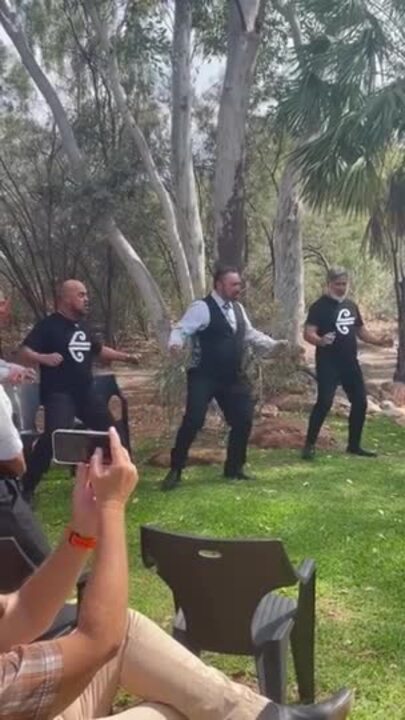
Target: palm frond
(336,13)
(375,240)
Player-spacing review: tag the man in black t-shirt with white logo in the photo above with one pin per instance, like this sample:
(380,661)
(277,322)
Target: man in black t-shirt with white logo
(333,325)
(64,348)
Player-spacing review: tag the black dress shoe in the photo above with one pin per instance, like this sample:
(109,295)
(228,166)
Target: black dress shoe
(308,452)
(238,476)
(362,453)
(170,482)
(336,708)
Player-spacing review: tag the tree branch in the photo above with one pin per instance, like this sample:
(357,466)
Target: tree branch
(241,15)
(121,101)
(287,10)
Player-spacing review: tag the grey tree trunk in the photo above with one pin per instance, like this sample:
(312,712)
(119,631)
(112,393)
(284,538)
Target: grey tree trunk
(288,256)
(187,210)
(288,260)
(121,101)
(136,269)
(245,17)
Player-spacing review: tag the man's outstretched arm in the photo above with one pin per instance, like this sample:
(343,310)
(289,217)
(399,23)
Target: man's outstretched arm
(371,339)
(63,668)
(30,611)
(109,354)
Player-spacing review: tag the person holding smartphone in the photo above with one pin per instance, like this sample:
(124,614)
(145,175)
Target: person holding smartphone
(76,677)
(333,325)
(64,348)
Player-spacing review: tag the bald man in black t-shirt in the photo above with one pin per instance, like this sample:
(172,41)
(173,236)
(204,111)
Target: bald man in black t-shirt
(64,348)
(333,325)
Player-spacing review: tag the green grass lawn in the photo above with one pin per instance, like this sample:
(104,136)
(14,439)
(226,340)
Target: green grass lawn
(347,513)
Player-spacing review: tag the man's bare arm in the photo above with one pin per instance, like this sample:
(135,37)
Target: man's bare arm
(30,611)
(103,614)
(109,354)
(368,337)
(311,335)
(30,357)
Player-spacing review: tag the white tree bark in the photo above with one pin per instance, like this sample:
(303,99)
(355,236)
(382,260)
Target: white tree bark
(289,264)
(245,17)
(118,92)
(137,270)
(188,214)
(289,290)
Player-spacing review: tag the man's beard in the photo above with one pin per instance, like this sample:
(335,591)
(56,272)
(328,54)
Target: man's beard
(338,298)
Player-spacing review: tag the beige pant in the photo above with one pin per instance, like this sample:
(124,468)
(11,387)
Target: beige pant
(172,683)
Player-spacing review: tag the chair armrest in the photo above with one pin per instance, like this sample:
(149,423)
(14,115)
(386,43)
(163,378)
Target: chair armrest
(305,571)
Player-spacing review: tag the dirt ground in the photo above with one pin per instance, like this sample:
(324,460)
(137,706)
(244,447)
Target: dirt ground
(152,422)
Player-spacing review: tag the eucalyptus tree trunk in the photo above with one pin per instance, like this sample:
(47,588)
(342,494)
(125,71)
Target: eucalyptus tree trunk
(288,255)
(135,267)
(244,25)
(117,90)
(288,260)
(187,210)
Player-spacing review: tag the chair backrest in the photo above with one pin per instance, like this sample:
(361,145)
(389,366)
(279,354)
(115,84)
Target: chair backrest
(217,583)
(25,402)
(106,386)
(15,565)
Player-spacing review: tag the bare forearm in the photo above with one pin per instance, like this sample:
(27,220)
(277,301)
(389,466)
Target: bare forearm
(103,611)
(312,337)
(369,338)
(29,357)
(36,604)
(111,355)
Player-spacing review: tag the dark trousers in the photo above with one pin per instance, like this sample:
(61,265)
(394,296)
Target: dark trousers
(329,377)
(61,410)
(237,405)
(17,521)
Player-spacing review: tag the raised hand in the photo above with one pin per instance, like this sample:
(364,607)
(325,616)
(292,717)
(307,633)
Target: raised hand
(113,483)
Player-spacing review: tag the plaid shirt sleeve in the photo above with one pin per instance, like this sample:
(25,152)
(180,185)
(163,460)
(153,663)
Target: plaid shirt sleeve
(30,676)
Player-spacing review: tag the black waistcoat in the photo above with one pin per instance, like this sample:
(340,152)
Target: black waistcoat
(218,350)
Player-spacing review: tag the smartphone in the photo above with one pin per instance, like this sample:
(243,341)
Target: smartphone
(71,447)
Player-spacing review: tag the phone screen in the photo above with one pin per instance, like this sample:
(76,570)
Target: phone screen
(71,447)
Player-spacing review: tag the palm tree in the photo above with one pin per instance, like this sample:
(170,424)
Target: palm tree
(350,85)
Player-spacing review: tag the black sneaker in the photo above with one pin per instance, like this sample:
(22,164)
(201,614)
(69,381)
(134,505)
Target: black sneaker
(361,453)
(308,452)
(170,482)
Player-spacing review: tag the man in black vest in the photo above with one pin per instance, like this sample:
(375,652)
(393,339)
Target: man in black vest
(333,325)
(220,331)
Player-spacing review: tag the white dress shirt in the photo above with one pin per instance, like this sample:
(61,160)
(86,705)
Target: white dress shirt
(197,317)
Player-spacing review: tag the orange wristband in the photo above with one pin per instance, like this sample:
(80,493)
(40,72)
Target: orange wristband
(79,541)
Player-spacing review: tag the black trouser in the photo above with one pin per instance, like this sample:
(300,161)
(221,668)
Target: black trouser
(60,410)
(236,403)
(17,521)
(329,377)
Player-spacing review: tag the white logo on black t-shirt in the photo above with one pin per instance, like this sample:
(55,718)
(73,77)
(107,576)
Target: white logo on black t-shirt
(344,321)
(79,345)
